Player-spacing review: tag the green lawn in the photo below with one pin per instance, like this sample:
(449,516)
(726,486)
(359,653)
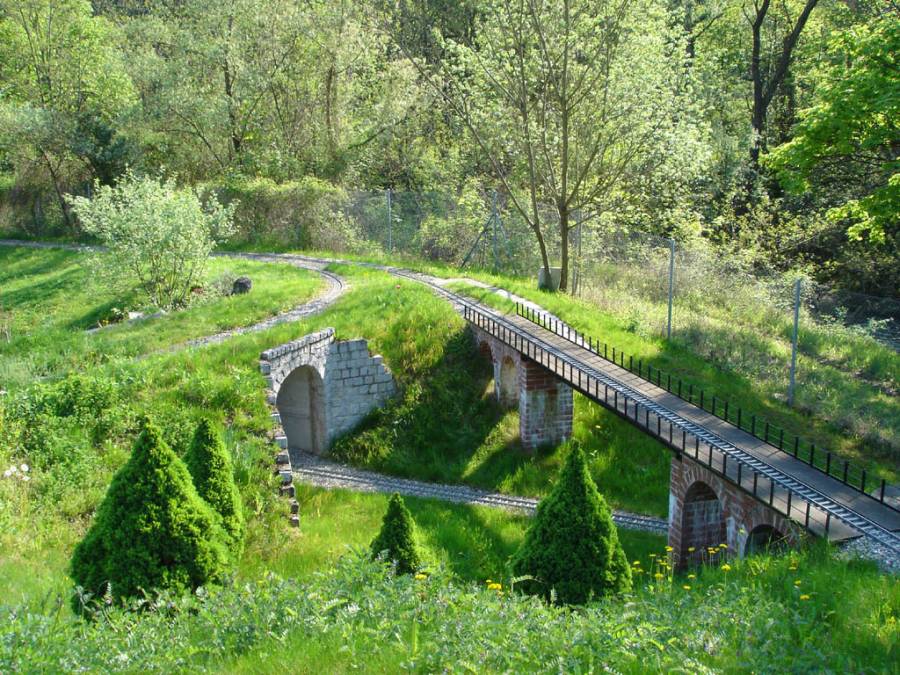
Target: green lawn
(75,429)
(49,300)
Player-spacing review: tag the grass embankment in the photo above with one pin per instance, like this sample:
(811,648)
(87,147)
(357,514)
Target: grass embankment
(75,431)
(48,301)
(827,396)
(733,342)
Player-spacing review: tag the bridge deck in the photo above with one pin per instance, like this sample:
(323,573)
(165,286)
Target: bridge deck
(677,435)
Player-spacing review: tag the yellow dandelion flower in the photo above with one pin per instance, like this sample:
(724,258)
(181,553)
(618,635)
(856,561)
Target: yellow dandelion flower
(726,567)
(658,575)
(797,582)
(691,549)
(636,563)
(420,576)
(652,555)
(495,587)
(804,597)
(488,582)
(669,549)
(686,587)
(692,576)
(723,545)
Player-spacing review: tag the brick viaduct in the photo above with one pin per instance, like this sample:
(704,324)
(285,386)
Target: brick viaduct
(705,511)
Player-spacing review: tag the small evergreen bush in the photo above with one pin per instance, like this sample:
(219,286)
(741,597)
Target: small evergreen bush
(152,530)
(209,464)
(396,538)
(572,546)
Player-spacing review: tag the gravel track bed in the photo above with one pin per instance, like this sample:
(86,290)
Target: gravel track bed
(321,472)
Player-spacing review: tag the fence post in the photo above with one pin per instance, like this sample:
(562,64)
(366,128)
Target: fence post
(794,342)
(671,286)
(390,223)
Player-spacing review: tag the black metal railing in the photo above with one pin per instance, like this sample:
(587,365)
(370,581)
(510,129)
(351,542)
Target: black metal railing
(823,460)
(783,493)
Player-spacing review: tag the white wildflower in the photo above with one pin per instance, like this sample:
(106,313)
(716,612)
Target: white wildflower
(24,468)
(26,478)
(7,473)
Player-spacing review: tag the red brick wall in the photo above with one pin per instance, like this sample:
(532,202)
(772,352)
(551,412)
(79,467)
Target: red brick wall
(705,510)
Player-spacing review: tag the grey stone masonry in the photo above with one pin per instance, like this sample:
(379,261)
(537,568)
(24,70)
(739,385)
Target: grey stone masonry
(322,388)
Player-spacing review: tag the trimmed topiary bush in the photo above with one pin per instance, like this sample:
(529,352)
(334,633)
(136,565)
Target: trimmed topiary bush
(208,462)
(396,540)
(152,530)
(572,546)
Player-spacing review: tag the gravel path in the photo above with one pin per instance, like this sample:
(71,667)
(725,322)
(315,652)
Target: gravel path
(321,472)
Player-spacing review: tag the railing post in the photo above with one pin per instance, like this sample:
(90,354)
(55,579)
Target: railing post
(640,367)
(604,351)
(806,522)
(862,481)
(788,512)
(827,522)
(714,406)
(812,454)
(846,469)
(883,486)
(771,492)
(631,364)
(740,466)
(701,400)
(767,431)
(828,463)
(755,480)
(781,440)
(696,446)
(739,418)
(669,383)
(726,411)
(679,387)
(753,425)
(796,445)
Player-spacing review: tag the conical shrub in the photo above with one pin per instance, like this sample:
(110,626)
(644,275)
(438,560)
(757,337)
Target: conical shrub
(396,540)
(152,530)
(210,467)
(572,546)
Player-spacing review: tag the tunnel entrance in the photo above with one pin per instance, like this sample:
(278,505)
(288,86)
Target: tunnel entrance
(301,404)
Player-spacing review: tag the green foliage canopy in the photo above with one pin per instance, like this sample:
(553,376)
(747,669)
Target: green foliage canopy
(846,142)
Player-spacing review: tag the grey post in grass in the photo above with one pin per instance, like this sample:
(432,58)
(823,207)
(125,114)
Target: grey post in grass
(671,286)
(390,223)
(794,342)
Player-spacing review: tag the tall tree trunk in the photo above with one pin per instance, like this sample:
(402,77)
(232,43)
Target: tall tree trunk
(564,245)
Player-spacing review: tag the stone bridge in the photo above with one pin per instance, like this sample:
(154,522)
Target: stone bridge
(322,388)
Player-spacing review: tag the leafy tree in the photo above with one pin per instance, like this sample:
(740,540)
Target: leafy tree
(846,144)
(574,104)
(396,540)
(572,547)
(152,530)
(208,462)
(61,76)
(158,235)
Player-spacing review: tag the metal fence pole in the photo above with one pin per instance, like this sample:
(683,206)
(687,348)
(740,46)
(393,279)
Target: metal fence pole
(671,286)
(390,223)
(794,342)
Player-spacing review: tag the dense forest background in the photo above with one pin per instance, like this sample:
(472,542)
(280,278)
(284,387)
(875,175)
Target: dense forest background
(763,130)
